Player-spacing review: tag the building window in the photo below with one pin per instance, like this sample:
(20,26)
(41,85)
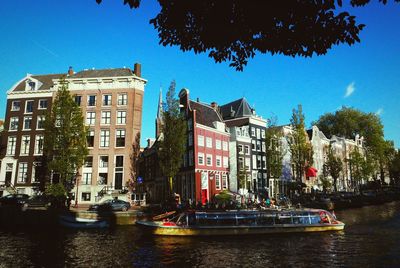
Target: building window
(38,144)
(121,117)
(90,138)
(209,142)
(27,122)
(89,161)
(86,196)
(40,122)
(258,161)
(258,133)
(225,146)
(247,149)
(120,138)
(104,138)
(225,162)
(200,157)
(105,117)
(253,145)
(122,99)
(253,132)
(31,85)
(78,100)
(119,168)
(254,161)
(200,140)
(191,162)
(218,181)
(247,163)
(15,106)
(119,161)
(209,160)
(264,162)
(241,163)
(107,100)
(263,133)
(11,144)
(263,147)
(42,104)
(240,149)
(224,181)
(258,146)
(25,144)
(29,106)
(90,118)
(91,100)
(103,161)
(87,179)
(14,123)
(218,144)
(190,139)
(35,170)
(190,124)
(102,180)
(218,161)
(22,172)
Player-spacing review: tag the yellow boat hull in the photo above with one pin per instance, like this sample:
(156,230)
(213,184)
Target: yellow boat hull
(238,230)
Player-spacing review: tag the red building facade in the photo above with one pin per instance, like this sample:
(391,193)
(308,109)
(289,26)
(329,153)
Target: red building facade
(205,170)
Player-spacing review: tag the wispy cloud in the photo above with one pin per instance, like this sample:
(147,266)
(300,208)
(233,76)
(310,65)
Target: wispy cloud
(45,49)
(350,90)
(379,112)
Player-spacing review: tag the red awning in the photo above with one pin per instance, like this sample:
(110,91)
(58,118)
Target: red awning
(311,172)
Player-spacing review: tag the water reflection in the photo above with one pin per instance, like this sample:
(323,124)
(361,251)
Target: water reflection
(371,238)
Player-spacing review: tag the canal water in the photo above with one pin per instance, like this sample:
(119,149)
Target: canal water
(371,239)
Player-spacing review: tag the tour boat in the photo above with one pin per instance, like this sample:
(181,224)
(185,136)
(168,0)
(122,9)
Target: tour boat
(76,222)
(241,222)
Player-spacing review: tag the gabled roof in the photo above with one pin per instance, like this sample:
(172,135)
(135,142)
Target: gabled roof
(46,80)
(236,109)
(205,114)
(103,73)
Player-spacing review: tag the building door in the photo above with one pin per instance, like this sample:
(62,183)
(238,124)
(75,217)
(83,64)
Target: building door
(203,196)
(8,177)
(118,181)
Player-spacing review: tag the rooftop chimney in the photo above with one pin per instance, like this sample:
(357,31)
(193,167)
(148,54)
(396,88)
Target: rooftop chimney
(137,69)
(214,105)
(70,71)
(198,99)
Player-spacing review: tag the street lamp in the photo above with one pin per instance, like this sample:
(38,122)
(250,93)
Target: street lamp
(77,184)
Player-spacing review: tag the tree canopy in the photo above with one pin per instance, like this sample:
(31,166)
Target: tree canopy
(299,146)
(235,30)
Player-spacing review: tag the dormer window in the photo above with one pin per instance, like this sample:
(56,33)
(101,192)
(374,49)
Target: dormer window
(31,85)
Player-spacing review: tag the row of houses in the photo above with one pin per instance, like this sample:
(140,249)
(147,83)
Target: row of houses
(225,149)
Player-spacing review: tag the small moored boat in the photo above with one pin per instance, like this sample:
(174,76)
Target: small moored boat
(241,222)
(71,221)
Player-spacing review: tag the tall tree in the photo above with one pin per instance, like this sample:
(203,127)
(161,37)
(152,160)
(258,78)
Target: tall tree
(65,145)
(134,156)
(173,144)
(274,149)
(358,169)
(235,30)
(333,166)
(299,146)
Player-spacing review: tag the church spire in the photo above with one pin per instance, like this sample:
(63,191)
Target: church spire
(159,119)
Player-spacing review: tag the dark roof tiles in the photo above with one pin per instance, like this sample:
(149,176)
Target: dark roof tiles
(205,114)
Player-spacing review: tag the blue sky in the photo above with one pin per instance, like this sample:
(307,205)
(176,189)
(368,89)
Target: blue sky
(47,36)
